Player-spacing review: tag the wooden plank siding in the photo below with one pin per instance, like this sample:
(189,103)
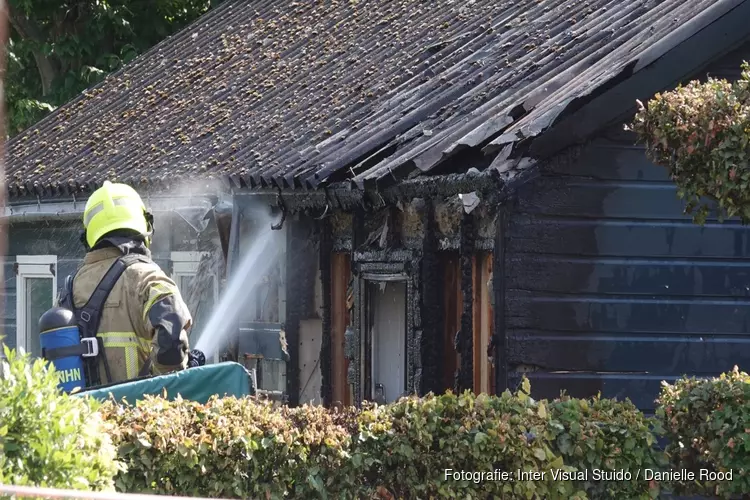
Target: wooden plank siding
(611,288)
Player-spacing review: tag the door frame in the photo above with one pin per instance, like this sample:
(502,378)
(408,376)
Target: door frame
(375,267)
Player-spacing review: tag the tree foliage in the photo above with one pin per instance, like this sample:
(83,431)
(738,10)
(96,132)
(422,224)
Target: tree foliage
(701,133)
(58,48)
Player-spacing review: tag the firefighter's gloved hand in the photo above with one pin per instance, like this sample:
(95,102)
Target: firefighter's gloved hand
(196,358)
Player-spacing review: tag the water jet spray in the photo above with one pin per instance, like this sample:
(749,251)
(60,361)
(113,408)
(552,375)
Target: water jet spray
(253,264)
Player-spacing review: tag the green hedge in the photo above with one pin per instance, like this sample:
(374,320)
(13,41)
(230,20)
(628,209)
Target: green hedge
(707,424)
(612,440)
(430,447)
(447,446)
(50,439)
(229,447)
(699,133)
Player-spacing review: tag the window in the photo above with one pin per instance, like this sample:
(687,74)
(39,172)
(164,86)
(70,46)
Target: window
(36,288)
(201,302)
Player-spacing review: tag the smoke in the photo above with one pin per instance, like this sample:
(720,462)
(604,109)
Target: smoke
(258,254)
(199,203)
(193,201)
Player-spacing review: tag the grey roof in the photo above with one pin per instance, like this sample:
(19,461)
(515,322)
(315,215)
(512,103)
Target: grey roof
(296,93)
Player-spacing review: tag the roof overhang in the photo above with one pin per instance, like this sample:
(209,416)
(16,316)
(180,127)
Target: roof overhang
(493,183)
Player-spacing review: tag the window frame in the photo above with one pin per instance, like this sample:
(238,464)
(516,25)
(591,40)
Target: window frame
(31,266)
(186,264)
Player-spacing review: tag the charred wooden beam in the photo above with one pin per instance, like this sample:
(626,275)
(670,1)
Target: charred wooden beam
(326,247)
(223,227)
(297,275)
(308,240)
(452,307)
(432,307)
(340,274)
(499,340)
(414,325)
(232,263)
(343,196)
(483,324)
(476,315)
(465,342)
(359,231)
(395,236)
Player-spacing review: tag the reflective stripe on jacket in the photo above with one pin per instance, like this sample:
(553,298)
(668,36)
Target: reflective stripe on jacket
(143,316)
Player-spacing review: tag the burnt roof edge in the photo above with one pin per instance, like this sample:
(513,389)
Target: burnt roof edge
(493,184)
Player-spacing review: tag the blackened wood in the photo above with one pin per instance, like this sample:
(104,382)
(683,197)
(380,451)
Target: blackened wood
(433,313)
(326,245)
(498,285)
(465,343)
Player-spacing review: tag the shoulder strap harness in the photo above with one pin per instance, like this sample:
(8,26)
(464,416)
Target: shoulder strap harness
(88,318)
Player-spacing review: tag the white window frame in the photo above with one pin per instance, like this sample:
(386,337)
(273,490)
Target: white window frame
(186,264)
(31,266)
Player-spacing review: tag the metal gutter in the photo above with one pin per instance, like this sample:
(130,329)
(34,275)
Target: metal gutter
(65,210)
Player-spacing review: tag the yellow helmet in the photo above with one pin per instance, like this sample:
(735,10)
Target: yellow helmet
(112,207)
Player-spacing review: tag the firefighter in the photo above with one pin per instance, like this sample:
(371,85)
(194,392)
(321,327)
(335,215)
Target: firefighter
(125,305)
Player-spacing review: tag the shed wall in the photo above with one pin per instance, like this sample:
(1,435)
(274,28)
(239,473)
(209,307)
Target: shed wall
(611,288)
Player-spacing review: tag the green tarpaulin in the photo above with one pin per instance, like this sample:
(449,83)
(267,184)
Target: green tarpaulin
(195,384)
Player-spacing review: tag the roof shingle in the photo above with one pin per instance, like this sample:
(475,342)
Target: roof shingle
(289,93)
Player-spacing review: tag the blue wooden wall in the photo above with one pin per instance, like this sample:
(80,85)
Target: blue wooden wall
(611,288)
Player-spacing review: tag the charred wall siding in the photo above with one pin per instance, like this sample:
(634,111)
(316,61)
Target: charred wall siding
(301,263)
(326,246)
(420,231)
(446,216)
(609,281)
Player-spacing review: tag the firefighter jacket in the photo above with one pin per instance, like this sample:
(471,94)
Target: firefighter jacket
(144,317)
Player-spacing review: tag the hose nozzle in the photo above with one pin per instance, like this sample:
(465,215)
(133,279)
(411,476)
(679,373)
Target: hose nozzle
(196,358)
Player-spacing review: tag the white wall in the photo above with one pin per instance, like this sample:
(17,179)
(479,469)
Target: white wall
(309,357)
(311,333)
